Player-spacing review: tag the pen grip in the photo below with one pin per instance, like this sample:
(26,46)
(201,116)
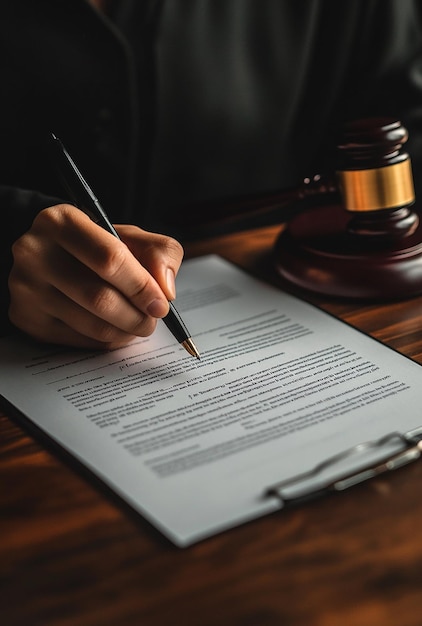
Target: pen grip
(86,201)
(175,324)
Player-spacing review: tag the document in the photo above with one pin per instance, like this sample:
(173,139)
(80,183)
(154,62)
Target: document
(193,445)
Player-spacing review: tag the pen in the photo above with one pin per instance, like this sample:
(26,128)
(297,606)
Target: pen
(85,200)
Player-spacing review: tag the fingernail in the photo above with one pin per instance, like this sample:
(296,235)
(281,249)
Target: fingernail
(171,283)
(158,308)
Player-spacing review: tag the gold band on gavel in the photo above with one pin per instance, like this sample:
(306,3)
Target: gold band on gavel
(376,189)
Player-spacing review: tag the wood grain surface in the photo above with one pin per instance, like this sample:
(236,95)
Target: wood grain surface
(71,553)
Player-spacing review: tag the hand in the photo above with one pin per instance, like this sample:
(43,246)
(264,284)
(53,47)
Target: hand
(74,283)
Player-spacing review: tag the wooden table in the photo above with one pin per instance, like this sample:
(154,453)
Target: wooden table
(72,554)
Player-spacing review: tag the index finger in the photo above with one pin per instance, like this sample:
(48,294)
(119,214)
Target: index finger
(107,256)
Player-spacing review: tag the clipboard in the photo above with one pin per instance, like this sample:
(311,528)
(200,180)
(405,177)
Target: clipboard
(200,447)
(371,458)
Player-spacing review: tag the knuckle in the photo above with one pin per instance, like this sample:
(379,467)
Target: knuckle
(112,259)
(104,300)
(176,246)
(171,247)
(159,244)
(137,290)
(23,247)
(55,216)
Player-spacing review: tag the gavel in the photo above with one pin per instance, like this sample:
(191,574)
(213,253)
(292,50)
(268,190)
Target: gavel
(368,243)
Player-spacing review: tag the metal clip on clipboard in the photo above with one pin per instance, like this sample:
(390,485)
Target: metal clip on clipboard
(368,459)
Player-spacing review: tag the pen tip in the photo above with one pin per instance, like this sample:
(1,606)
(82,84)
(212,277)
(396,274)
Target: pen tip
(191,348)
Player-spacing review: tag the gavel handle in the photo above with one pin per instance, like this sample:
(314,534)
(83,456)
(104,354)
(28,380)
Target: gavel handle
(258,209)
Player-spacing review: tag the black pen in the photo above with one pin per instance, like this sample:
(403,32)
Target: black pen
(85,200)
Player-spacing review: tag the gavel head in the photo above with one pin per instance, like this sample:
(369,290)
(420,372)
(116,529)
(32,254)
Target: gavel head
(367,241)
(375,178)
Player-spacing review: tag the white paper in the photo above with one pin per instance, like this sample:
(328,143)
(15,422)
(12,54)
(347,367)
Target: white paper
(193,445)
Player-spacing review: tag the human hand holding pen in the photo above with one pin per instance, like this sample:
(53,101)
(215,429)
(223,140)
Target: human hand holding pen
(74,283)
